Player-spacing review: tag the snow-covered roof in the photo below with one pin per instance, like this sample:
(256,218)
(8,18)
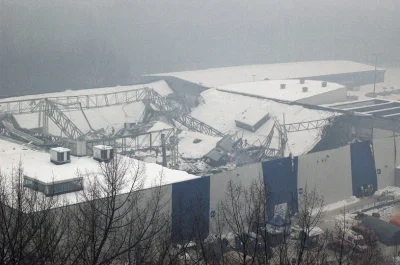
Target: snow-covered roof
(107,117)
(220,109)
(190,148)
(214,77)
(161,87)
(272,89)
(60,149)
(103,147)
(37,165)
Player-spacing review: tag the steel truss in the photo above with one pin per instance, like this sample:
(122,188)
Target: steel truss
(72,102)
(309,125)
(136,142)
(67,127)
(186,120)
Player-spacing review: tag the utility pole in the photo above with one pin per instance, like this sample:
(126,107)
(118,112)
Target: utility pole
(376,62)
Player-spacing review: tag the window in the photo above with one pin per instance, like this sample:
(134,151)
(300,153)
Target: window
(68,156)
(103,154)
(111,153)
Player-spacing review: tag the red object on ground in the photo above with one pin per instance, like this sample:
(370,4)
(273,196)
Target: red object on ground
(395,221)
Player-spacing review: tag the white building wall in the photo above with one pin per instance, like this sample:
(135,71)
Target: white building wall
(337,95)
(329,172)
(397,152)
(384,154)
(218,185)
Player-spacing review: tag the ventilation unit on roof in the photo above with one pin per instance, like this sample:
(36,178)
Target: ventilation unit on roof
(324,84)
(283,86)
(103,153)
(302,81)
(60,155)
(305,89)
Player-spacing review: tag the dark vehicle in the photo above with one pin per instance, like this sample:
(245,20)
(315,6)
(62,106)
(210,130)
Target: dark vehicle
(368,234)
(339,245)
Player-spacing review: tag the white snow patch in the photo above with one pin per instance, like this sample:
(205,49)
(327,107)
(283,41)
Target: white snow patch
(160,87)
(384,212)
(220,109)
(36,164)
(214,77)
(189,149)
(159,126)
(341,204)
(271,89)
(389,190)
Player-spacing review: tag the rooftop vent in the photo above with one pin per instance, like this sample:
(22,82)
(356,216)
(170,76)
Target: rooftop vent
(302,81)
(305,89)
(324,84)
(103,153)
(60,155)
(283,86)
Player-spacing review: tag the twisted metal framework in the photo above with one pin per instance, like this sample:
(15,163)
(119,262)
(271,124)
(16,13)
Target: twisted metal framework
(62,121)
(186,120)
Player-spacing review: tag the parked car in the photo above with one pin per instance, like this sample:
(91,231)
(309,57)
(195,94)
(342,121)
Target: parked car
(368,234)
(339,245)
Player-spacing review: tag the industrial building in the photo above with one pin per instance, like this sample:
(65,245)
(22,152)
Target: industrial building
(347,73)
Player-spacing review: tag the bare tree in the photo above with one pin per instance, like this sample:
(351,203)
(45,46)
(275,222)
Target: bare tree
(30,233)
(117,220)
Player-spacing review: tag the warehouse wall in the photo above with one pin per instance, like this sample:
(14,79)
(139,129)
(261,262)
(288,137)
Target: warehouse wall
(190,208)
(218,184)
(356,78)
(384,155)
(280,177)
(337,95)
(362,166)
(327,171)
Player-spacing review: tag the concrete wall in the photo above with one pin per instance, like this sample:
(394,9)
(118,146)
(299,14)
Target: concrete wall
(337,95)
(384,155)
(329,172)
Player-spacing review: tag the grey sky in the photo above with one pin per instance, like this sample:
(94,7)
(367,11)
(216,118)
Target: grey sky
(169,35)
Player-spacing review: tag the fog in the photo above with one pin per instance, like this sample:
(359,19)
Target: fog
(53,45)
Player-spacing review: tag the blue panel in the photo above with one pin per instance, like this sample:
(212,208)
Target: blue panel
(363,169)
(191,209)
(280,178)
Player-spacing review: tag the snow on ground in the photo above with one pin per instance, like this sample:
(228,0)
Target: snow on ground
(189,149)
(340,204)
(159,125)
(36,164)
(107,117)
(214,77)
(272,89)
(220,109)
(160,87)
(388,190)
(385,212)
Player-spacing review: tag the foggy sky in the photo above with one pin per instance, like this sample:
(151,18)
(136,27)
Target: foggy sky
(169,35)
